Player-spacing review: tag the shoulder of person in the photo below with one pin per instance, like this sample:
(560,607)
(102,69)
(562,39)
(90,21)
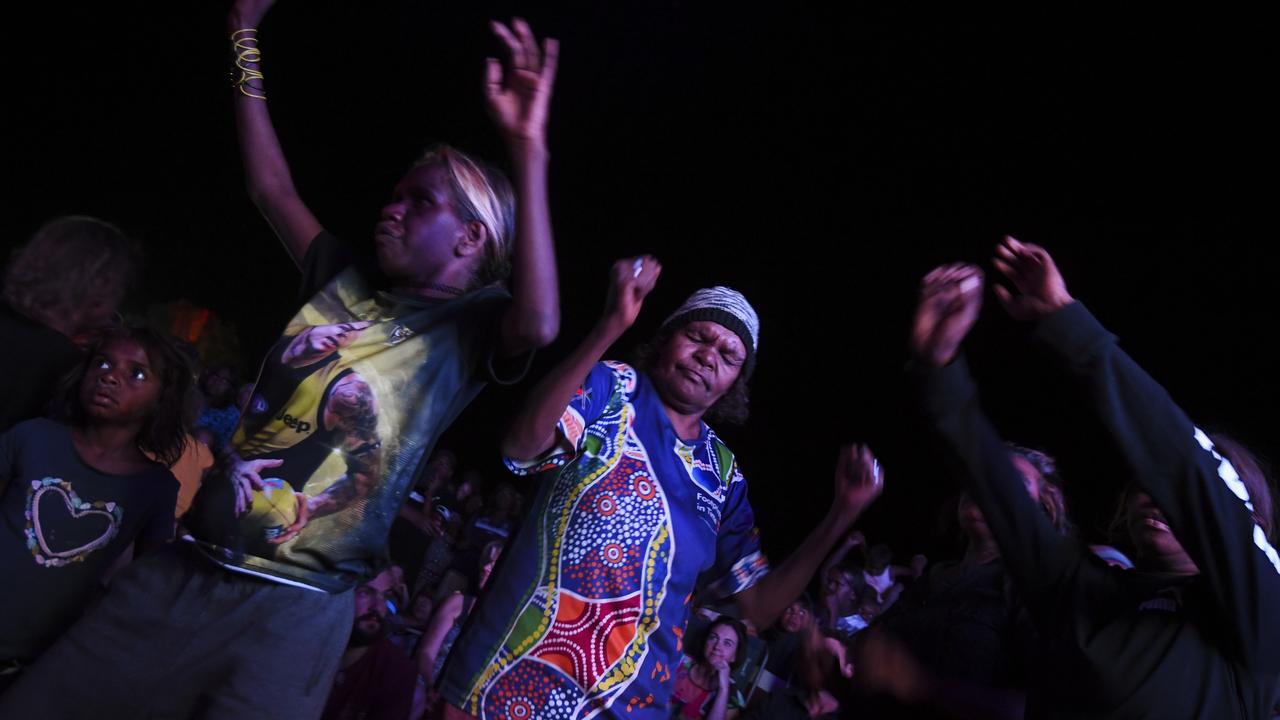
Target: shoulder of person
(489,299)
(726,460)
(40,427)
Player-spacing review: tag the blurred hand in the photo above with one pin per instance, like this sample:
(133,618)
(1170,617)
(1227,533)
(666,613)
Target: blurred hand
(1038,285)
(630,281)
(519,94)
(886,665)
(859,479)
(950,298)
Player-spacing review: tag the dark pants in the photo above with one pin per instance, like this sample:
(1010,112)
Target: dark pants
(179,637)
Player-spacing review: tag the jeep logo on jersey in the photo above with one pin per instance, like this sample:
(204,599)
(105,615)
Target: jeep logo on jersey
(299,426)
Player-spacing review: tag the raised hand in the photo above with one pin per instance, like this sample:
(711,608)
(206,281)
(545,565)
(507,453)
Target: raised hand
(630,281)
(859,479)
(1039,286)
(950,298)
(519,96)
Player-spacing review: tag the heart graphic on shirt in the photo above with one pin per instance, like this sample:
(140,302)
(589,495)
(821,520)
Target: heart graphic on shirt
(67,528)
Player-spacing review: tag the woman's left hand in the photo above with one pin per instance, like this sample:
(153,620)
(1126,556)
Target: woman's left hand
(518,98)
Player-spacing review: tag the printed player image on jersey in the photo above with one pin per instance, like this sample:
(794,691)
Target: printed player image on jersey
(348,401)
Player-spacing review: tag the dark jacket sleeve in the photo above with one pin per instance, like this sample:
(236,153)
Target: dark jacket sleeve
(1037,556)
(1206,505)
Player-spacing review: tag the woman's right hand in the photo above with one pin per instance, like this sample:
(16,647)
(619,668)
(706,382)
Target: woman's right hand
(632,279)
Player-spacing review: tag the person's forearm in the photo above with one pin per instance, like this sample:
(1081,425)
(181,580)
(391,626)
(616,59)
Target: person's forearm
(534,318)
(720,704)
(267,176)
(533,430)
(266,170)
(764,601)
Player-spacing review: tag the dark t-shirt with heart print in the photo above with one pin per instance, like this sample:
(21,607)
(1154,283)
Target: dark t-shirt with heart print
(62,523)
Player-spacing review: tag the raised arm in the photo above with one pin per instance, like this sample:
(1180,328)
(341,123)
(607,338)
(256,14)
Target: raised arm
(837,556)
(1034,552)
(1199,492)
(858,482)
(533,430)
(518,100)
(267,176)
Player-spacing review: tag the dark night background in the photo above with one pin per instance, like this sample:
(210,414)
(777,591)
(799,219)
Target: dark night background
(818,160)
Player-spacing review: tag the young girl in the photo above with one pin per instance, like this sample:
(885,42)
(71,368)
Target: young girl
(76,492)
(704,686)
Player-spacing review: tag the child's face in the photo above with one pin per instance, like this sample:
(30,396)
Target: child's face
(120,384)
(796,617)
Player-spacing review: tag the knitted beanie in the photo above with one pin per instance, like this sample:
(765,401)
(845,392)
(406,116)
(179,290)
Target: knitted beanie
(726,307)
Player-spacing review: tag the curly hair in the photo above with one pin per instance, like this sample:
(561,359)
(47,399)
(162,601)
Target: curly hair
(1052,500)
(69,264)
(163,435)
(733,408)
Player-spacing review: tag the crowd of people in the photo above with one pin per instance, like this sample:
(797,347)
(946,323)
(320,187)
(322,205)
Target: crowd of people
(184,541)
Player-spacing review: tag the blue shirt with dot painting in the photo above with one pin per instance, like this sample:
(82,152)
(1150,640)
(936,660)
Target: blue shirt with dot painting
(586,612)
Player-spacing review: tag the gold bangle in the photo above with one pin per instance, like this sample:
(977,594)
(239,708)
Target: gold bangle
(245,44)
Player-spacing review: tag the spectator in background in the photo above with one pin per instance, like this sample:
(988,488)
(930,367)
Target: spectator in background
(496,520)
(454,499)
(880,581)
(450,614)
(704,679)
(784,640)
(220,414)
(61,288)
(417,522)
(959,641)
(375,679)
(409,626)
(841,609)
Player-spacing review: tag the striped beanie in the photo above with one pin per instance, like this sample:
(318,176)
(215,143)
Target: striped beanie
(724,306)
